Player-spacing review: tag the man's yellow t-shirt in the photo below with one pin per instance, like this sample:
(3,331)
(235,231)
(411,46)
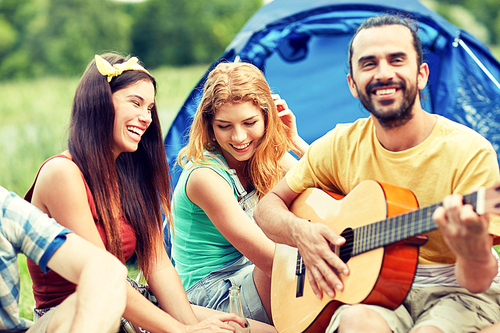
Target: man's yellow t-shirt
(453,159)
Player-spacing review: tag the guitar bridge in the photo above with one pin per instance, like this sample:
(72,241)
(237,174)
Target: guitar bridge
(300,271)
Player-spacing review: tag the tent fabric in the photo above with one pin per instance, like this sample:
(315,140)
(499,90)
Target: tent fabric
(301,46)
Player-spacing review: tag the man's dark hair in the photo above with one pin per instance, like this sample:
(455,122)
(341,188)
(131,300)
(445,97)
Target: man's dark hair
(383,20)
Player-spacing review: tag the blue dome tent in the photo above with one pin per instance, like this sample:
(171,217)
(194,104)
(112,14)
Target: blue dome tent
(301,46)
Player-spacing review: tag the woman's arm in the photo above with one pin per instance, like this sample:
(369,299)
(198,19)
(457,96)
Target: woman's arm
(255,325)
(79,261)
(60,193)
(167,288)
(206,189)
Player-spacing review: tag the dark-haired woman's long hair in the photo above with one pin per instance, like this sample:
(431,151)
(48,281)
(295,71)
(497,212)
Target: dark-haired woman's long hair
(137,184)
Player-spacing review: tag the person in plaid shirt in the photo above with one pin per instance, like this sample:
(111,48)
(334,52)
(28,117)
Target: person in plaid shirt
(25,229)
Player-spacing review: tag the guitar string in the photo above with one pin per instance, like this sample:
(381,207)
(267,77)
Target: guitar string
(365,239)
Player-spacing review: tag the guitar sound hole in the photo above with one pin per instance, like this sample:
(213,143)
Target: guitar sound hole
(345,251)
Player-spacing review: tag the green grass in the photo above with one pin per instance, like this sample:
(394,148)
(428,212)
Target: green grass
(34,118)
(26,300)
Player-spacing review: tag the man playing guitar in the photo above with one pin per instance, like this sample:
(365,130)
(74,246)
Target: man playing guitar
(455,287)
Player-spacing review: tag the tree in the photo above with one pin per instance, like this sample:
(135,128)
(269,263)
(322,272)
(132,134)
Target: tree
(78,29)
(485,11)
(189,31)
(59,36)
(17,19)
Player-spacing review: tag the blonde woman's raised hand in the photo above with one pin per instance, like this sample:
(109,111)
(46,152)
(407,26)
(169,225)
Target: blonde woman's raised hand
(288,118)
(286,115)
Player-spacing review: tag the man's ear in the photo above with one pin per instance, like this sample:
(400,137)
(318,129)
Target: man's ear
(423,76)
(352,86)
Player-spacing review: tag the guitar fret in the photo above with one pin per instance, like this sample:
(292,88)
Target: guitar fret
(428,217)
(364,242)
(378,238)
(425,217)
(366,234)
(369,232)
(358,239)
(393,229)
(421,217)
(388,232)
(397,229)
(410,223)
(373,235)
(415,228)
(399,223)
(406,222)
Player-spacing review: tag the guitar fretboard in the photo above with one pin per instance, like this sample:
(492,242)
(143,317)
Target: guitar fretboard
(397,228)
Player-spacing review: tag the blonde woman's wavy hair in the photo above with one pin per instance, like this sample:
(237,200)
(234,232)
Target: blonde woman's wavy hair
(239,83)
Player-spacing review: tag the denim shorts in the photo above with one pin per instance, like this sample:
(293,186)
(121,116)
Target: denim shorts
(213,290)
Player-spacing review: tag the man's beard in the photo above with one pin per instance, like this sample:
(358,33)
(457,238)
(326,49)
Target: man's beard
(399,116)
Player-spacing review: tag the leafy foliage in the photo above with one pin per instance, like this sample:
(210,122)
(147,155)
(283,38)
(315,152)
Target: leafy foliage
(78,29)
(59,37)
(485,11)
(189,31)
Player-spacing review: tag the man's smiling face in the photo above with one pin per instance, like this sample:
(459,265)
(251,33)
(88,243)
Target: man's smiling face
(385,76)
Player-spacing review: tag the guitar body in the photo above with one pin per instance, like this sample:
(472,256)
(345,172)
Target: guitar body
(382,276)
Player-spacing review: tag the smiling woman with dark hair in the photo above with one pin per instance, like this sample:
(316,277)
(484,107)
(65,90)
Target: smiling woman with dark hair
(111,187)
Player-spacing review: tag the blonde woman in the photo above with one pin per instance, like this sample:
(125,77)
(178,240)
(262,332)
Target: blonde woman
(237,151)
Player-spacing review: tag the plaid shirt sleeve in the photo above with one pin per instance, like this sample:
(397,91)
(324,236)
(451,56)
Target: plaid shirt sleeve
(23,229)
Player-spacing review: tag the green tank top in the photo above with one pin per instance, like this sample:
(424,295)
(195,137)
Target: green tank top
(198,248)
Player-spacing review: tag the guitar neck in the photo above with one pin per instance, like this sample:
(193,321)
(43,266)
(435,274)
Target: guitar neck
(397,228)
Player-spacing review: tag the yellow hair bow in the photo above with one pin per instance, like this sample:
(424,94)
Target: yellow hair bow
(105,68)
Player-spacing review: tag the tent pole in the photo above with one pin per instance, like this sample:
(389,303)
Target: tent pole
(478,62)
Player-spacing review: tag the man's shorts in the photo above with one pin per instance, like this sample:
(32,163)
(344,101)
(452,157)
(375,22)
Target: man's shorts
(450,309)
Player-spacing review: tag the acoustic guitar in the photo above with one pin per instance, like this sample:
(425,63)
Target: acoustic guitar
(383,228)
